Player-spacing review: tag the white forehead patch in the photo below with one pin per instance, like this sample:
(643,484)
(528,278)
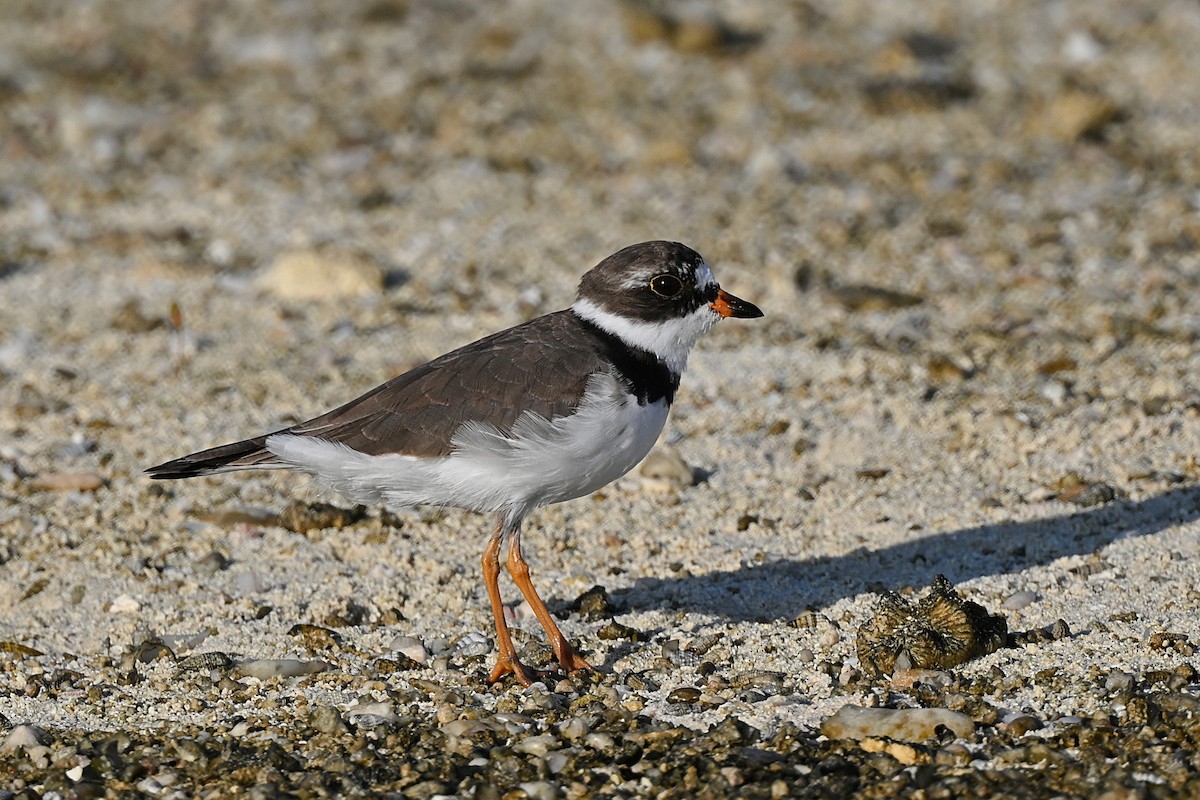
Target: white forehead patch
(704,276)
(635,281)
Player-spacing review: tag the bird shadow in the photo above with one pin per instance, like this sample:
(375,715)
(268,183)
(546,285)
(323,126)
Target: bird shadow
(784,588)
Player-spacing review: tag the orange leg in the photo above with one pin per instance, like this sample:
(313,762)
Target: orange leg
(507,661)
(519,569)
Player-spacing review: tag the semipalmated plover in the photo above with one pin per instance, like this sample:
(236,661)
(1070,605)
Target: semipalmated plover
(540,413)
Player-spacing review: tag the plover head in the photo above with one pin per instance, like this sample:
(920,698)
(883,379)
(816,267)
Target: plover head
(659,297)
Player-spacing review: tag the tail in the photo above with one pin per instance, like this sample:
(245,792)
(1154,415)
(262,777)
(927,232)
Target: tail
(247,454)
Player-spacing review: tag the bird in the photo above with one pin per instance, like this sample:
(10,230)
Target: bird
(540,413)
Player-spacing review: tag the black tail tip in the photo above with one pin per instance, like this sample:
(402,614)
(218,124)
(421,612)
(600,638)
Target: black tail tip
(245,454)
(174,469)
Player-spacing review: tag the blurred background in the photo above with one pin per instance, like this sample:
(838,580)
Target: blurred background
(986,189)
(811,142)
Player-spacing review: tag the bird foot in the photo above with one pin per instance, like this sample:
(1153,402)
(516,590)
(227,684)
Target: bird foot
(570,662)
(525,675)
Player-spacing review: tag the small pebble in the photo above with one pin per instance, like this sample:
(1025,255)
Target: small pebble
(326,719)
(599,741)
(1054,391)
(124,604)
(211,563)
(446,712)
(539,790)
(1018,600)
(458,728)
(150,786)
(664,470)
(1118,681)
(371,714)
(67,481)
(574,728)
(849,675)
(473,644)
(902,725)
(315,637)
(1021,724)
(593,604)
(24,736)
(907,678)
(684,694)
(263,668)
(536,745)
(321,276)
(904,753)
(248,583)
(302,517)
(410,647)
(232,517)
(703,644)
(202,662)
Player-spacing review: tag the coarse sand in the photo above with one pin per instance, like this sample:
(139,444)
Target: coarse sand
(973,231)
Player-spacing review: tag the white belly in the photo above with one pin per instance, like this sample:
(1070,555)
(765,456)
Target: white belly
(539,462)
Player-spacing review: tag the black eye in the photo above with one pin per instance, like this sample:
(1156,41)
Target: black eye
(666,285)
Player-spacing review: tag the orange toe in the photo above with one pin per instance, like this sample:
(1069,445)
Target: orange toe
(571,661)
(511,666)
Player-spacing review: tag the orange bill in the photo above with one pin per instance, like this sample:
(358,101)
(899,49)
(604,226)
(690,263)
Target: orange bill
(729,306)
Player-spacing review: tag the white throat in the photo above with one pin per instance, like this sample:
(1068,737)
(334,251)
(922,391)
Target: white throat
(671,340)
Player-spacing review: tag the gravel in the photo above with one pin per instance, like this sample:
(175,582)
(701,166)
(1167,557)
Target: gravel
(972,229)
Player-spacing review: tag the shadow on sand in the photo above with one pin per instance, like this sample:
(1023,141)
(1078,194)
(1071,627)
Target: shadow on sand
(782,589)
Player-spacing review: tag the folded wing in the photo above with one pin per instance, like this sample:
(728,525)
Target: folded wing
(542,367)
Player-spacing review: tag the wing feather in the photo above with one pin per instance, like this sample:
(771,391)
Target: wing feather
(542,367)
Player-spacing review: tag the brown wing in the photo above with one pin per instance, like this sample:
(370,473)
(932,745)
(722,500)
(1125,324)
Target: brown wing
(541,366)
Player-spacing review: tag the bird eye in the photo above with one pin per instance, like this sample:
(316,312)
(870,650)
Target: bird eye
(666,285)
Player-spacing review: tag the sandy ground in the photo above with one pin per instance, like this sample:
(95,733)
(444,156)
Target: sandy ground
(972,228)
